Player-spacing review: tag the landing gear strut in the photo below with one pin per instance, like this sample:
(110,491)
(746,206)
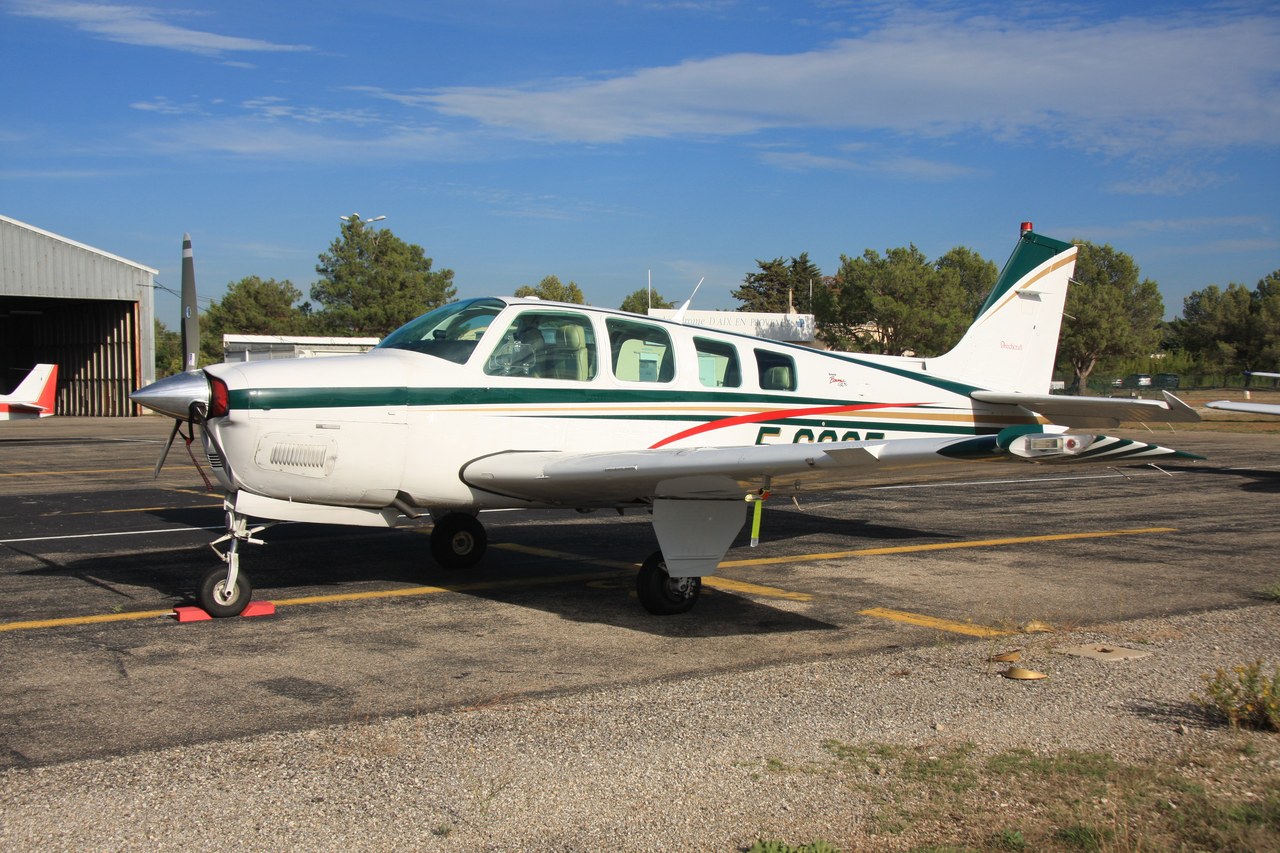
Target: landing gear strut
(661,594)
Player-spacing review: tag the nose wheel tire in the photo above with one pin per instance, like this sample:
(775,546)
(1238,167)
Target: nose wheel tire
(661,594)
(458,541)
(216,599)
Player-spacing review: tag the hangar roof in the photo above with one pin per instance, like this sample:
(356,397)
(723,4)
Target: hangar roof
(35,262)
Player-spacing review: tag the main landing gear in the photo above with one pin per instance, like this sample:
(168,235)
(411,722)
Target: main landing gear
(458,541)
(661,594)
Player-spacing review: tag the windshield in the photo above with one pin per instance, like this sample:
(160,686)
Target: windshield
(450,332)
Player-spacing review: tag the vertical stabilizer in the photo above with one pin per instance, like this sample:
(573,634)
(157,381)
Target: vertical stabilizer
(34,397)
(1013,342)
(190,314)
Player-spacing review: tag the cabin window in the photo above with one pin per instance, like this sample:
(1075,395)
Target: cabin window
(777,371)
(450,332)
(546,345)
(641,352)
(717,364)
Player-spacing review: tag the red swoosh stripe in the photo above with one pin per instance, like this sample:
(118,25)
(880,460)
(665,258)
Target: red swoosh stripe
(775,414)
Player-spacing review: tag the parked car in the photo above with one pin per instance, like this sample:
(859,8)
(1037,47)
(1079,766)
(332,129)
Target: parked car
(1165,380)
(1137,380)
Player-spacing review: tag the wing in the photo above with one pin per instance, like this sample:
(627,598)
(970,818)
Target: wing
(1252,408)
(720,473)
(1094,411)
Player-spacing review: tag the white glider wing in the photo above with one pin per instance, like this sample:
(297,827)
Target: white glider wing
(1251,408)
(1094,411)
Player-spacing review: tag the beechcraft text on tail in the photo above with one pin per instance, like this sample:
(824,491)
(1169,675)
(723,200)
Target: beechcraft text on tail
(501,403)
(34,397)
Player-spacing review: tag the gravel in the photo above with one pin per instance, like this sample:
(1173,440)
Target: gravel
(683,765)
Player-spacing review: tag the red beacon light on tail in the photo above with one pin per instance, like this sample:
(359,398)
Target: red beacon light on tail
(1026,226)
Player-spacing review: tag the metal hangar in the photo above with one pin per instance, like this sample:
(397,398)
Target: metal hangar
(83,309)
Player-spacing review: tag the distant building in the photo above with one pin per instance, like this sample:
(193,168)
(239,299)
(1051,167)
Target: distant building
(240,348)
(83,309)
(789,328)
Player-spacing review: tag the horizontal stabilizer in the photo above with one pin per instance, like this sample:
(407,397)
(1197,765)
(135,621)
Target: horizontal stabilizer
(1094,411)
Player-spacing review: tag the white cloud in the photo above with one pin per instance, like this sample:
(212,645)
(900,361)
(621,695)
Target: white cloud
(1116,87)
(908,167)
(143,26)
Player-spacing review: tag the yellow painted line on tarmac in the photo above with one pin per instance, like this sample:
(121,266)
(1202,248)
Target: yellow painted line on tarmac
(726,584)
(966,628)
(83,471)
(405,592)
(84,620)
(946,546)
(729,585)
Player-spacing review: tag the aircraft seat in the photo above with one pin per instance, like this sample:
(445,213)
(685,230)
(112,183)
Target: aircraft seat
(567,358)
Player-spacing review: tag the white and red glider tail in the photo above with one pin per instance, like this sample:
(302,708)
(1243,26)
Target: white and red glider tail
(34,396)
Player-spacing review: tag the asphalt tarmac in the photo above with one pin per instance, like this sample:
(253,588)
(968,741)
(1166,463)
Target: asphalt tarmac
(95,554)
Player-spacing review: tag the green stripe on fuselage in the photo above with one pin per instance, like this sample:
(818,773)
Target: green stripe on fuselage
(321,398)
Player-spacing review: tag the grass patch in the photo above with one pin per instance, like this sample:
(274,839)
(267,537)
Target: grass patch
(1246,696)
(956,797)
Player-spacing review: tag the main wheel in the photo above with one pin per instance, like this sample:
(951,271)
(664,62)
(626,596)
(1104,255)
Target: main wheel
(662,594)
(216,599)
(458,541)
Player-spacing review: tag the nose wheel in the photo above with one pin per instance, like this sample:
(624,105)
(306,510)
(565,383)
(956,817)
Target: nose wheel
(219,598)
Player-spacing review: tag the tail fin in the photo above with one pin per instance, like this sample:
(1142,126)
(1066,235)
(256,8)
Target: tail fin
(1013,343)
(34,396)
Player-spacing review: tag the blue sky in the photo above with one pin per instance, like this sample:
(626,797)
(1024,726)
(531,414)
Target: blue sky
(597,140)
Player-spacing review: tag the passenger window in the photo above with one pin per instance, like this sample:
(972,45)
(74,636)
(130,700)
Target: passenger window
(641,353)
(546,345)
(717,364)
(777,371)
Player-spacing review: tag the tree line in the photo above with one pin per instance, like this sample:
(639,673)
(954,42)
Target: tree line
(900,302)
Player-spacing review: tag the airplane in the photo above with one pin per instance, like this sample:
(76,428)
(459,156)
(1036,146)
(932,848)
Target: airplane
(34,397)
(499,403)
(1251,408)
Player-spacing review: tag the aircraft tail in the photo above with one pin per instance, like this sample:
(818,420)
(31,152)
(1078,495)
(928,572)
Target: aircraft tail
(1013,343)
(34,396)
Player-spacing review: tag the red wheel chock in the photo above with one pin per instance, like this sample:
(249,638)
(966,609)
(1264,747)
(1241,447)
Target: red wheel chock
(195,614)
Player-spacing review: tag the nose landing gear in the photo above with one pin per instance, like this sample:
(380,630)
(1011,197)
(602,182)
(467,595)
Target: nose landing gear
(224,592)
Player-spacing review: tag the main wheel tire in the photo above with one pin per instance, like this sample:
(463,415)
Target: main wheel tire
(458,541)
(661,594)
(215,599)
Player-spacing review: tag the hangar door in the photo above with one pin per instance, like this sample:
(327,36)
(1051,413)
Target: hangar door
(93,342)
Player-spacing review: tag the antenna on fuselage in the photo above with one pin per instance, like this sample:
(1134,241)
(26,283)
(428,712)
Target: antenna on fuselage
(679,315)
